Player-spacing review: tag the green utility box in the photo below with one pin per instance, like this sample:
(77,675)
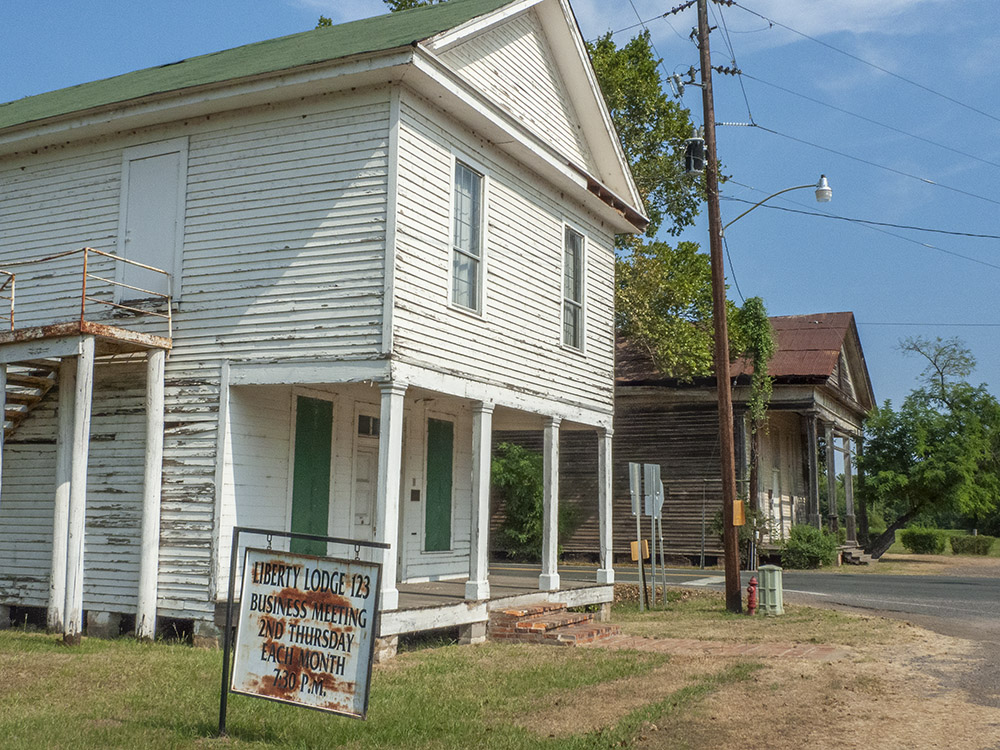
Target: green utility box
(769,590)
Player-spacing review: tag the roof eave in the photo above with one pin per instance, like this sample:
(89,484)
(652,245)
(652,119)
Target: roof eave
(383,66)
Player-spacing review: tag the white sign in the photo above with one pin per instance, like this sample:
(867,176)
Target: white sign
(635,485)
(306,630)
(653,496)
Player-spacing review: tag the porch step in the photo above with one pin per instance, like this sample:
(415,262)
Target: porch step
(545,623)
(857,556)
(548,622)
(28,383)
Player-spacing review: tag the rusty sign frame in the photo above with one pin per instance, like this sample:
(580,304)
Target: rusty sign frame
(228,640)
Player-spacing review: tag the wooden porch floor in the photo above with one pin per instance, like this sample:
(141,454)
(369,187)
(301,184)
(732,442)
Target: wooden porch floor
(503,586)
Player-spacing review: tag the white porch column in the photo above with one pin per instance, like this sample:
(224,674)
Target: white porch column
(831,478)
(390,463)
(60,514)
(478,585)
(605,504)
(549,579)
(812,441)
(849,520)
(73,625)
(149,559)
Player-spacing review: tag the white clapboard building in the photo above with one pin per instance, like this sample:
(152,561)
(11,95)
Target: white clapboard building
(319,272)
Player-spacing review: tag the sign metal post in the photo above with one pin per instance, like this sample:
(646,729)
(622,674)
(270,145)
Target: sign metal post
(306,629)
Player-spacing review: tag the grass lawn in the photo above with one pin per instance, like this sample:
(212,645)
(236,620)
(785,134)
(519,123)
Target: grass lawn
(123,694)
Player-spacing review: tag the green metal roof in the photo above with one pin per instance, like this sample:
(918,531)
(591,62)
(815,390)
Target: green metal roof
(385,32)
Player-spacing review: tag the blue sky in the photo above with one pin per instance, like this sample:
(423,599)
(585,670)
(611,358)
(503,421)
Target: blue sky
(824,85)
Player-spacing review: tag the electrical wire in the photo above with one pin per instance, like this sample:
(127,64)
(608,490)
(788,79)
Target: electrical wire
(873,223)
(921,86)
(732,270)
(732,57)
(744,74)
(924,245)
(652,46)
(924,325)
(887,168)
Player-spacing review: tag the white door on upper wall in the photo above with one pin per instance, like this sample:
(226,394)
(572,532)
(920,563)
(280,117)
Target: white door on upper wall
(151,218)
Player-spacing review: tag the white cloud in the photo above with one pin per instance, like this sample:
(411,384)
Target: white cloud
(852,16)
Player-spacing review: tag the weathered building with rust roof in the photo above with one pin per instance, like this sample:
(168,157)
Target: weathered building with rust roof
(822,392)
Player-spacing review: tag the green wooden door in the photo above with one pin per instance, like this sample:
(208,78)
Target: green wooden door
(437,516)
(311,472)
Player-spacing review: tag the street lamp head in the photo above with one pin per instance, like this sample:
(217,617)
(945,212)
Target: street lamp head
(824,193)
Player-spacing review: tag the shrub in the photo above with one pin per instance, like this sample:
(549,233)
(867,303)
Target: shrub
(516,476)
(922,541)
(972,545)
(808,547)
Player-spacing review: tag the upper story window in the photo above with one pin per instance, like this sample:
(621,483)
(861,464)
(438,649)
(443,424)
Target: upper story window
(573,289)
(467,239)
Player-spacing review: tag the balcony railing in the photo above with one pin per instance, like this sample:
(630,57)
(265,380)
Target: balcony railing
(96,290)
(7,293)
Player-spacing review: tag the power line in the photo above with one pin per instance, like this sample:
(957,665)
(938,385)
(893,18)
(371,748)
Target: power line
(887,168)
(869,120)
(732,270)
(874,223)
(870,64)
(925,245)
(927,325)
(732,57)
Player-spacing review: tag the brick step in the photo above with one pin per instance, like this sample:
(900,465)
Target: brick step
(579,634)
(547,622)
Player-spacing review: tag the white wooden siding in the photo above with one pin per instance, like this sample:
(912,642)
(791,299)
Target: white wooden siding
(282,260)
(517,342)
(513,65)
(114,496)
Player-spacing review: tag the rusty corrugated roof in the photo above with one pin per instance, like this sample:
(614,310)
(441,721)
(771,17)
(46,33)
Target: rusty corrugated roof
(807,348)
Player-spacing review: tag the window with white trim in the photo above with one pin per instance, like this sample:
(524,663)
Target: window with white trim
(573,289)
(467,239)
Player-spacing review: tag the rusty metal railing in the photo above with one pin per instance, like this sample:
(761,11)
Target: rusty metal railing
(161,308)
(7,285)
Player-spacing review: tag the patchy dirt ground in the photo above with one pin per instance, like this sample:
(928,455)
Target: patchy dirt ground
(886,697)
(904,688)
(952,565)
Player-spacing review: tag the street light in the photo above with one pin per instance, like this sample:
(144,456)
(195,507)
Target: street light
(727,457)
(824,194)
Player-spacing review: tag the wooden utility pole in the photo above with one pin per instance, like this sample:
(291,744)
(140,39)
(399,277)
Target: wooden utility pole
(730,539)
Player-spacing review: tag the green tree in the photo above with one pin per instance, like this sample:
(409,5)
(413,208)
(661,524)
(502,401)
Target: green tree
(395,5)
(940,451)
(755,341)
(652,129)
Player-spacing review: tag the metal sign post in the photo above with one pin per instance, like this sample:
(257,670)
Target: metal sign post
(649,479)
(306,629)
(635,491)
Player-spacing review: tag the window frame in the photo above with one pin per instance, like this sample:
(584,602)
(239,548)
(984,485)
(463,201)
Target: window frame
(579,345)
(453,250)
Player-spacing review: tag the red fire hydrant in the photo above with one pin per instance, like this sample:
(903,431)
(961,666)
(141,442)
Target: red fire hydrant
(752,596)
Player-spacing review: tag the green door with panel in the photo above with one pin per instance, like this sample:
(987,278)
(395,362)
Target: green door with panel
(311,473)
(437,516)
